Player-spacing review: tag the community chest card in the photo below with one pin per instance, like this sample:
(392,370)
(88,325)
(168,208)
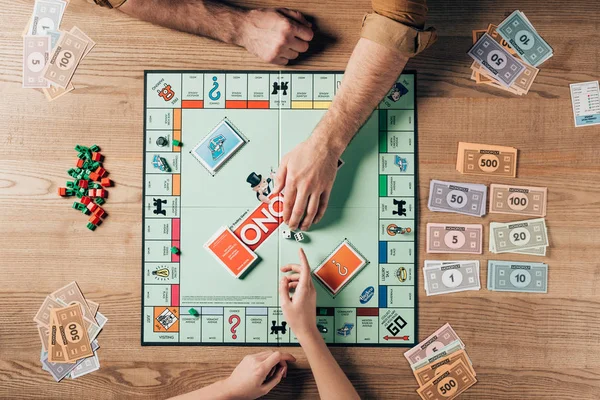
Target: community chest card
(340,267)
(230,251)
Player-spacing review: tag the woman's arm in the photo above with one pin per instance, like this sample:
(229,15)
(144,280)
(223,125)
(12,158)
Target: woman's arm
(300,313)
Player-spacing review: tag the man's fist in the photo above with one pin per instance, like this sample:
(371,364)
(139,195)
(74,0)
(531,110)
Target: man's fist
(276,36)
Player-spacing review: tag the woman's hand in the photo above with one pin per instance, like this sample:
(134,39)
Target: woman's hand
(300,310)
(257,374)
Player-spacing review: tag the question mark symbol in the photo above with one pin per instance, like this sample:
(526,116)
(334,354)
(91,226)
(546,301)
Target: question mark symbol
(340,266)
(237,323)
(212,91)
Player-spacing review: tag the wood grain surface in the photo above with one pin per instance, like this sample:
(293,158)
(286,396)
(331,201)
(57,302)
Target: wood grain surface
(522,346)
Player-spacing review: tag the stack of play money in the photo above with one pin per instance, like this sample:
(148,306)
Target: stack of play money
(460,198)
(454,238)
(505,56)
(521,237)
(441,365)
(51,56)
(68,326)
(442,277)
(486,159)
(517,276)
(518,200)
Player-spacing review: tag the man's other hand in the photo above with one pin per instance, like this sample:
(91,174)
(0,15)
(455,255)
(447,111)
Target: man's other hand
(275,35)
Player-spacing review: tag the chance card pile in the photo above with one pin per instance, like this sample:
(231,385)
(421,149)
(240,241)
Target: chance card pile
(340,267)
(231,252)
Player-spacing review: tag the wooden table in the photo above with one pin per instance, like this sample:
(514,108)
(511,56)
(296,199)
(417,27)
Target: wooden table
(522,346)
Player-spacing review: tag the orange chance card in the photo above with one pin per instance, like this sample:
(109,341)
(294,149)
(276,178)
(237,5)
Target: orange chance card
(340,267)
(230,251)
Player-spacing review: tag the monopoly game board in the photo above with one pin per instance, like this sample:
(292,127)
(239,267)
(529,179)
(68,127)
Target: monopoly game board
(212,143)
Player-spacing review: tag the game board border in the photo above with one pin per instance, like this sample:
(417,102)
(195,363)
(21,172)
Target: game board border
(290,344)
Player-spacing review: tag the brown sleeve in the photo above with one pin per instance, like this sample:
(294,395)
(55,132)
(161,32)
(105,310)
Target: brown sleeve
(398,25)
(109,3)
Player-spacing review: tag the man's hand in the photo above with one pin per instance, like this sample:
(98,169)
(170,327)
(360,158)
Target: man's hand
(257,374)
(275,36)
(307,173)
(299,311)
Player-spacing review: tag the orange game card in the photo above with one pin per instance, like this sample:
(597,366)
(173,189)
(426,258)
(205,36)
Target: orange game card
(230,251)
(340,267)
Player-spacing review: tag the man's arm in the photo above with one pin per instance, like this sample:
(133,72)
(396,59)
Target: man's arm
(309,170)
(276,36)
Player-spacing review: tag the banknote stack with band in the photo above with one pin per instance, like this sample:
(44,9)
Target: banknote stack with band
(51,56)
(506,56)
(68,326)
(441,365)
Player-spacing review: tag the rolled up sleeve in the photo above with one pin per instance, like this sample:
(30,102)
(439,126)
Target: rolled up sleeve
(399,25)
(108,3)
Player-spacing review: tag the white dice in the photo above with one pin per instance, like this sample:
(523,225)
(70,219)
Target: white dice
(299,236)
(286,234)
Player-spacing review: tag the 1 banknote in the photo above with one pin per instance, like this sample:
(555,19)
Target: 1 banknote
(486,159)
(64,60)
(518,200)
(519,235)
(454,238)
(432,369)
(496,60)
(524,39)
(450,382)
(451,277)
(36,50)
(432,344)
(47,15)
(461,198)
(513,276)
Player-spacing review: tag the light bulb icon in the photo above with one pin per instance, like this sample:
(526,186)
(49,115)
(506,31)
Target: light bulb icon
(163,272)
